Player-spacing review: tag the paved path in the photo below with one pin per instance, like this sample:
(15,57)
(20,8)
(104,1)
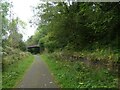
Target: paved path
(37,76)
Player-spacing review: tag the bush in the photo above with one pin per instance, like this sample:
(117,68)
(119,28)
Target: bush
(100,58)
(11,56)
(78,75)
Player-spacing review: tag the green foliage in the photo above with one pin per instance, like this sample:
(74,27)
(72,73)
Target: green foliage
(98,58)
(78,26)
(9,33)
(77,75)
(22,46)
(4,6)
(80,30)
(11,56)
(0,80)
(14,73)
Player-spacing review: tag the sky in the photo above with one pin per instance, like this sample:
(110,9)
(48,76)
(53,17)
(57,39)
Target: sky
(23,10)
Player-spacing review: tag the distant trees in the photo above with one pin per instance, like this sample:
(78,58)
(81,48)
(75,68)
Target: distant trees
(10,34)
(12,46)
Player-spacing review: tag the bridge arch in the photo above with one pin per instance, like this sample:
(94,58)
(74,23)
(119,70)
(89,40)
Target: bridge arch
(34,49)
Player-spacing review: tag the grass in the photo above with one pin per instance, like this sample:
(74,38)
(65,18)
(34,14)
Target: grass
(77,75)
(0,80)
(15,72)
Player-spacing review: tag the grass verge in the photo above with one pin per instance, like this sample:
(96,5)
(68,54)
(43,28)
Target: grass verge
(15,72)
(78,75)
(0,80)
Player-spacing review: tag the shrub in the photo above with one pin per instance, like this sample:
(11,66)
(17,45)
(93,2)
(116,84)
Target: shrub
(11,56)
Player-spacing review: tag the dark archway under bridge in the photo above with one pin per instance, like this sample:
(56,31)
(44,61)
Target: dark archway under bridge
(34,49)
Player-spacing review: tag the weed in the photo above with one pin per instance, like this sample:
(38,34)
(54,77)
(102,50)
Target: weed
(15,72)
(77,75)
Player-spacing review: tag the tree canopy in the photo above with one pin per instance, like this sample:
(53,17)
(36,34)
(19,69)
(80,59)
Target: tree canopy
(77,25)
(10,35)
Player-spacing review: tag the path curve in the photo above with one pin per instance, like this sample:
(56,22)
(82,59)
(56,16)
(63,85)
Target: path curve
(37,76)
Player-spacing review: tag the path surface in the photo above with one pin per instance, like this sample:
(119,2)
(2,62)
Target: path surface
(37,76)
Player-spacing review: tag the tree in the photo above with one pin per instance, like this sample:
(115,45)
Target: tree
(77,26)
(10,34)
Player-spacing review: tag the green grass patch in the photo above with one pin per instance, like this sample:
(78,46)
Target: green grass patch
(15,72)
(77,75)
(0,80)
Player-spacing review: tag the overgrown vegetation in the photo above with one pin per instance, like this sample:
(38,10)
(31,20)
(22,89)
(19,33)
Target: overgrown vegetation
(11,56)
(77,26)
(12,49)
(12,74)
(74,32)
(78,75)
(79,32)
(12,46)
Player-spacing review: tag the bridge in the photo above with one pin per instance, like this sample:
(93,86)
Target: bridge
(34,49)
